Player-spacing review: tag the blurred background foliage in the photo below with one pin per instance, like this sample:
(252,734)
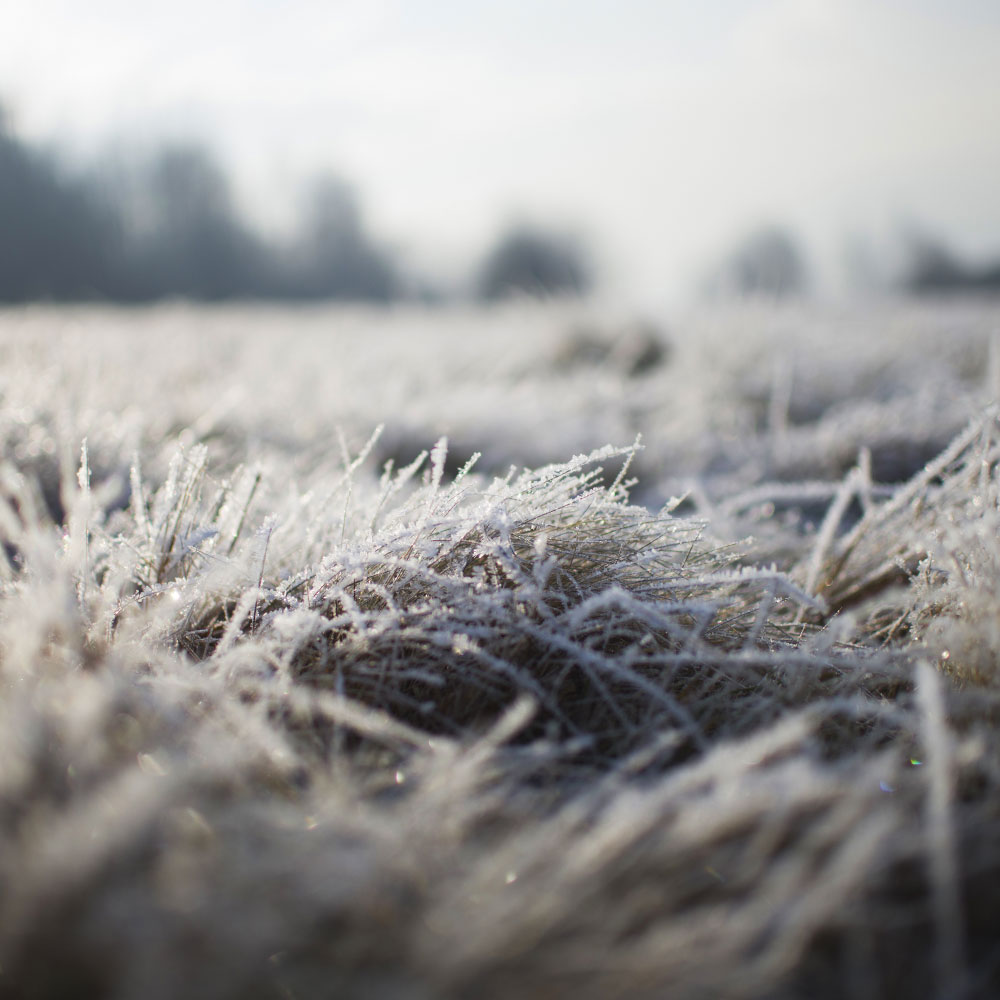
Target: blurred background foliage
(167,225)
(527,260)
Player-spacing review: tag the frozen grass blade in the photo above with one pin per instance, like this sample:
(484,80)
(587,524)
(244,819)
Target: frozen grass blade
(361,727)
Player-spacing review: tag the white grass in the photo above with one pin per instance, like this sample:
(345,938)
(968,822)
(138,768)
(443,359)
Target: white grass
(326,670)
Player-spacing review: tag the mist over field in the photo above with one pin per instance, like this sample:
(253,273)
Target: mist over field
(523,650)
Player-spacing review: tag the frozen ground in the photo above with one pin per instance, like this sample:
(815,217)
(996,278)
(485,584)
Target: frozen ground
(339,656)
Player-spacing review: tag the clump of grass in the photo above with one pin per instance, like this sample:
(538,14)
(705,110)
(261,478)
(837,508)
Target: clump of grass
(454,598)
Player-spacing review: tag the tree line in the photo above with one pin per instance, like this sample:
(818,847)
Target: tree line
(169,227)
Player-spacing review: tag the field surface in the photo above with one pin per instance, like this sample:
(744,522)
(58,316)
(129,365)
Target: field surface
(530,652)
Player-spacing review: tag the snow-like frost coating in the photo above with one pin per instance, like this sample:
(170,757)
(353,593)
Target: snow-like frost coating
(326,671)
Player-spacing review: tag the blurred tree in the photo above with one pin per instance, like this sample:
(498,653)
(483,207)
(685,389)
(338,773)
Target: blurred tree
(168,226)
(933,267)
(528,260)
(187,236)
(57,240)
(332,256)
(768,262)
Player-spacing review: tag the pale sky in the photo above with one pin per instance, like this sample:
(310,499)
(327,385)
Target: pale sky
(661,130)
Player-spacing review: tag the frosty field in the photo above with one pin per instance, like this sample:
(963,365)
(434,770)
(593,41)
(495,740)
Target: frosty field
(528,652)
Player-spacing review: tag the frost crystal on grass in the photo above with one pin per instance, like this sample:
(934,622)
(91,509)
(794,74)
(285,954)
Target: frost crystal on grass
(434,711)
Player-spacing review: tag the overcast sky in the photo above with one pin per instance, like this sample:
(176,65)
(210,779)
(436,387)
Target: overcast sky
(660,129)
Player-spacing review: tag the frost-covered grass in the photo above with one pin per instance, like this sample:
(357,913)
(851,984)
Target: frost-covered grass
(326,669)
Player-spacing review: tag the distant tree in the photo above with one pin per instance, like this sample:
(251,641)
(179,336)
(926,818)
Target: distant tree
(333,257)
(528,260)
(57,240)
(931,265)
(934,268)
(188,238)
(168,226)
(767,261)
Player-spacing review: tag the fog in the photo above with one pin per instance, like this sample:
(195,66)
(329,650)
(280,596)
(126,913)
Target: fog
(657,136)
